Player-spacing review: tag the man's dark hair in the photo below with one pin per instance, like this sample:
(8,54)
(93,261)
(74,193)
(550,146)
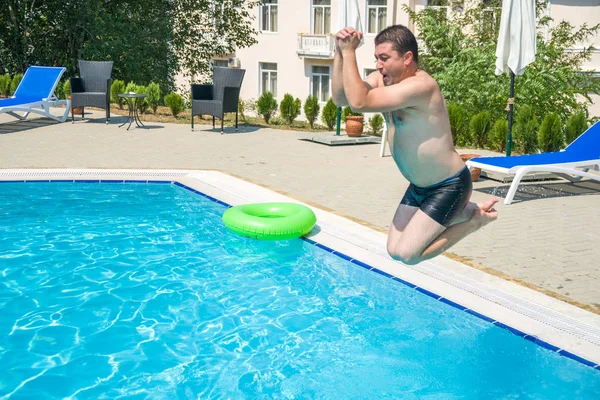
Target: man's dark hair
(401,38)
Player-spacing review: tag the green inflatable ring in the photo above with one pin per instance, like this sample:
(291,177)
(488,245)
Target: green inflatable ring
(270,221)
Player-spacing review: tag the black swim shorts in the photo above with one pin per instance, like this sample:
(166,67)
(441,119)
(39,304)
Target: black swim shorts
(442,201)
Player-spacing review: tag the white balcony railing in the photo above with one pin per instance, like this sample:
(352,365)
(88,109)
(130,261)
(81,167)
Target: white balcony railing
(315,46)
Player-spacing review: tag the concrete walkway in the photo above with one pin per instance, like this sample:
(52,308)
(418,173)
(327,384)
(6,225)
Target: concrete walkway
(548,238)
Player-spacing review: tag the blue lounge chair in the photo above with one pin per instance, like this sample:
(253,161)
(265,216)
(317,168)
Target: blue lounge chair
(583,153)
(35,94)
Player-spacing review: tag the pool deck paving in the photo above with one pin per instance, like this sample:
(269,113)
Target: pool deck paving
(547,239)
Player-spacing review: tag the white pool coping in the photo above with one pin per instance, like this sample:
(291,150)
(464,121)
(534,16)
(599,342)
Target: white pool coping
(565,326)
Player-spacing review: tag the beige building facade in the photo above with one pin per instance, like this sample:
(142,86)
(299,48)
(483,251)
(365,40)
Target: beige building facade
(295,48)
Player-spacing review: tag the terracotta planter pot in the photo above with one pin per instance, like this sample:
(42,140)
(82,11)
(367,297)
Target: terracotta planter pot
(475,172)
(354,125)
(76,110)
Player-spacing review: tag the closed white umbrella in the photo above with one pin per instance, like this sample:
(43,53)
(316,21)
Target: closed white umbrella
(516,47)
(348,15)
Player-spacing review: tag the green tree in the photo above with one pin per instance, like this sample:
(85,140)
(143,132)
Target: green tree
(376,124)
(329,114)
(458,123)
(14,83)
(480,127)
(54,32)
(204,28)
(153,96)
(175,103)
(499,134)
(117,88)
(461,57)
(311,110)
(290,108)
(576,125)
(267,105)
(551,136)
(525,130)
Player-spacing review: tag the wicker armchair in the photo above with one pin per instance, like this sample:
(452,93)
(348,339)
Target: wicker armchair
(219,98)
(92,88)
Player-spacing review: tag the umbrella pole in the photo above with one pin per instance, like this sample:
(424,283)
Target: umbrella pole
(339,117)
(510,112)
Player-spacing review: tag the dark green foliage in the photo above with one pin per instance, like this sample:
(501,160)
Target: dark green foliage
(480,126)
(458,124)
(525,130)
(290,108)
(175,102)
(139,36)
(376,124)
(498,135)
(551,136)
(461,57)
(329,114)
(576,125)
(311,110)
(266,105)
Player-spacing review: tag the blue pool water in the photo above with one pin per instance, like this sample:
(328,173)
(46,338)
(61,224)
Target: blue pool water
(138,291)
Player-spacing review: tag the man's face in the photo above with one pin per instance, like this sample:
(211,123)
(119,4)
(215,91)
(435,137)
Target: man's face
(389,63)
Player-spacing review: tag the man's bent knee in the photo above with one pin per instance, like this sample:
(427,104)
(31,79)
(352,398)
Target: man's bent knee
(403,255)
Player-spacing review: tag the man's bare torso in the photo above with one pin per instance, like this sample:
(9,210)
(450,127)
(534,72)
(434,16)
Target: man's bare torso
(420,138)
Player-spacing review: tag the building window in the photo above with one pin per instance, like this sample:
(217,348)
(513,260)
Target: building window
(490,16)
(320,83)
(268,78)
(321,17)
(376,15)
(220,63)
(441,7)
(268,16)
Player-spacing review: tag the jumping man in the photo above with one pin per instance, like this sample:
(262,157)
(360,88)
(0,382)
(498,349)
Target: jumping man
(435,212)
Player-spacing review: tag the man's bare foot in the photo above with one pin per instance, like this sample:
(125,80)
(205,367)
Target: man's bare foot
(485,213)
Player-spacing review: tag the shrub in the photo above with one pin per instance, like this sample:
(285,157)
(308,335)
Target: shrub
(551,136)
(525,129)
(154,94)
(276,121)
(266,105)
(348,111)
(175,103)
(498,135)
(480,126)
(67,88)
(117,88)
(59,92)
(142,103)
(458,123)
(241,106)
(290,108)
(131,87)
(14,83)
(329,114)
(4,85)
(576,125)
(311,110)
(376,123)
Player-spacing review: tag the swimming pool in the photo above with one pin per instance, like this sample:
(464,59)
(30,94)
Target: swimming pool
(136,289)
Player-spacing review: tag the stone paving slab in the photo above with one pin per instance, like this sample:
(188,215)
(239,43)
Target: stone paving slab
(331,139)
(549,237)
